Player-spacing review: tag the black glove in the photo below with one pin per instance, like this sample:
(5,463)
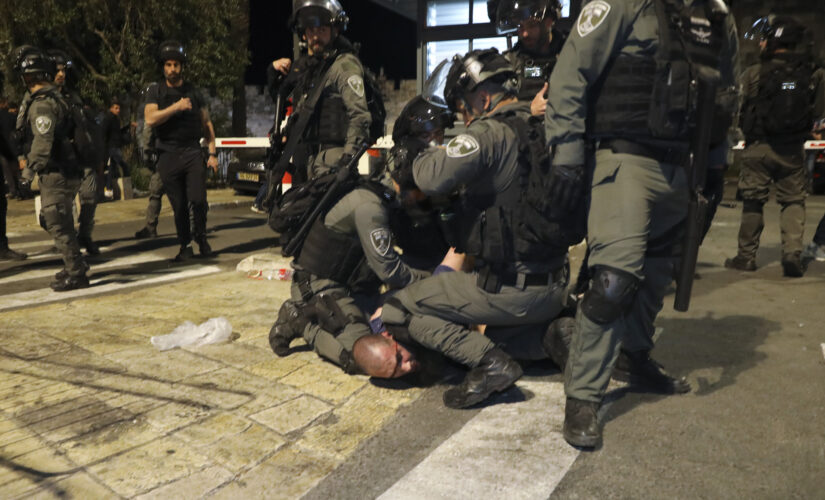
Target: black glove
(566,185)
(25,189)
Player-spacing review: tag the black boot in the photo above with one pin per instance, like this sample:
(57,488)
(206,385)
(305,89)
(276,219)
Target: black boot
(638,368)
(792,265)
(7,253)
(184,254)
(146,232)
(90,246)
(69,283)
(289,325)
(557,338)
(203,247)
(581,423)
(496,372)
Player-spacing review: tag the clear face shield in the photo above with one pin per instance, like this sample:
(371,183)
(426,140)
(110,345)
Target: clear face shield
(511,13)
(435,84)
(760,29)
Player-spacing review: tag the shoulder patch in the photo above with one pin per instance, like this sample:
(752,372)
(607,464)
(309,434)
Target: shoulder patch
(380,239)
(592,16)
(43,124)
(356,83)
(462,145)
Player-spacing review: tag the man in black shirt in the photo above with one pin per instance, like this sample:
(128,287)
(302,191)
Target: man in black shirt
(178,114)
(113,140)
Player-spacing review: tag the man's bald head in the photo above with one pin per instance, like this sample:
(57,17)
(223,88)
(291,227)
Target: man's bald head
(381,356)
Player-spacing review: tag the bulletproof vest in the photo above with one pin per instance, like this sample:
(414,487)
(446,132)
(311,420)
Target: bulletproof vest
(783,107)
(641,98)
(534,69)
(62,156)
(184,128)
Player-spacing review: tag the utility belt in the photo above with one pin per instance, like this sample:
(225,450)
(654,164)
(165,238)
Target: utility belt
(491,280)
(675,155)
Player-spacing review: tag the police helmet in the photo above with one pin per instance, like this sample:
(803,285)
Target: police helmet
(60,58)
(30,60)
(476,67)
(171,50)
(315,13)
(420,117)
(511,13)
(777,31)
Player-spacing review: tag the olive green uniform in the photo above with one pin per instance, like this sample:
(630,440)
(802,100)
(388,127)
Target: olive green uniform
(480,163)
(636,202)
(777,160)
(52,158)
(88,182)
(360,214)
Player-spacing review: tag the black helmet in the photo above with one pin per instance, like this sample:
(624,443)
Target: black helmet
(171,50)
(314,13)
(477,66)
(511,13)
(30,60)
(60,58)
(419,117)
(778,31)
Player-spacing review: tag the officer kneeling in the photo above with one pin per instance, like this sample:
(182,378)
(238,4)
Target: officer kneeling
(520,270)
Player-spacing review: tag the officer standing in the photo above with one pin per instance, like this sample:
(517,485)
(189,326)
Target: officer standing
(340,119)
(539,43)
(783,96)
(519,280)
(44,123)
(622,79)
(88,183)
(177,112)
(149,157)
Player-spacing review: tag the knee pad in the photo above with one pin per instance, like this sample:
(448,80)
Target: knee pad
(611,295)
(54,215)
(752,206)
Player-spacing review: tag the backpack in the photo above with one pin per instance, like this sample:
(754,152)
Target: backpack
(786,98)
(292,210)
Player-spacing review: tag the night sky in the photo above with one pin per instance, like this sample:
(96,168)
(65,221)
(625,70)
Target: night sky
(388,43)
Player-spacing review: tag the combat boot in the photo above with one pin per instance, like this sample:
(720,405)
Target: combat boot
(90,246)
(63,274)
(70,283)
(7,253)
(557,338)
(638,368)
(203,247)
(146,232)
(741,263)
(289,325)
(792,265)
(185,253)
(496,372)
(581,423)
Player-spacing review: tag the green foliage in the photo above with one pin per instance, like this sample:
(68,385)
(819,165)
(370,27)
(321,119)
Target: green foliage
(113,43)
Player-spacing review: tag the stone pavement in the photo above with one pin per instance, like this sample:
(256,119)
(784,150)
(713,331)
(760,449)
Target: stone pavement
(90,409)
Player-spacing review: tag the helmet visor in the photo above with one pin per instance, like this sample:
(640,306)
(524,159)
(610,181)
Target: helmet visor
(511,13)
(434,86)
(759,30)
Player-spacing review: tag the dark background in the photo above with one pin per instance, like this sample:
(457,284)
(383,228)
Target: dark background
(387,39)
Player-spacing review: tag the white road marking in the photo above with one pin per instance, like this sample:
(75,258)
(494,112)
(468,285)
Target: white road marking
(119,262)
(46,295)
(513,451)
(823,349)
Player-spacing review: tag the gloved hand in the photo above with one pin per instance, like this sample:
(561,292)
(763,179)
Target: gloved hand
(566,185)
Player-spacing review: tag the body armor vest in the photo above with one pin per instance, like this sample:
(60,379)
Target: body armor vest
(62,156)
(534,69)
(184,128)
(640,98)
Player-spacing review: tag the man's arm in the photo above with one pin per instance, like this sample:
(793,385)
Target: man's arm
(209,130)
(348,77)
(440,171)
(155,116)
(43,121)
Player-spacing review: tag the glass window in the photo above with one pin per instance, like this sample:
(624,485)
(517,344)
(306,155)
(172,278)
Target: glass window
(480,12)
(499,42)
(565,8)
(438,51)
(448,12)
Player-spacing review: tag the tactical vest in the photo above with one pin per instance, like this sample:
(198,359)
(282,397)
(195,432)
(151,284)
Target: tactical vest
(640,98)
(62,156)
(534,70)
(505,228)
(184,128)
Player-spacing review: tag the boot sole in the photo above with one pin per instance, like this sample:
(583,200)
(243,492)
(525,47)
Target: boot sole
(582,441)
(478,397)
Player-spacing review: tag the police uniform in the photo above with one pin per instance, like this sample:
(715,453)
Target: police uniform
(513,295)
(342,119)
(180,160)
(612,74)
(534,68)
(346,256)
(44,123)
(775,156)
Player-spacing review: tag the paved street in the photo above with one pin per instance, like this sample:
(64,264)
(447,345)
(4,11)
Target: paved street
(90,409)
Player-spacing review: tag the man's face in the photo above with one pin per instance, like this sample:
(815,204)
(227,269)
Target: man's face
(172,71)
(399,360)
(60,77)
(318,38)
(115,109)
(532,33)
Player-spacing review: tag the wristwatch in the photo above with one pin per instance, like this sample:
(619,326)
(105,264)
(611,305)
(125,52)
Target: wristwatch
(213,154)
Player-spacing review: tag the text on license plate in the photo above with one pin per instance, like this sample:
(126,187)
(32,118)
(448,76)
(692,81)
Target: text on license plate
(243,176)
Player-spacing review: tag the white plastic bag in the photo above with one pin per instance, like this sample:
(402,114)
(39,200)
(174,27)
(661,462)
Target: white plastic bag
(212,331)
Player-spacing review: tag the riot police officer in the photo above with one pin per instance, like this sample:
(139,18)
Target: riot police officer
(518,282)
(45,125)
(340,118)
(622,79)
(178,115)
(88,184)
(783,95)
(538,47)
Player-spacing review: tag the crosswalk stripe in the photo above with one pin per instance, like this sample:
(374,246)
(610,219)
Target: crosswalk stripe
(513,451)
(46,295)
(119,262)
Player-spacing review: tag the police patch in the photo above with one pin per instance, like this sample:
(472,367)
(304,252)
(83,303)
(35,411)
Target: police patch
(380,240)
(592,16)
(356,83)
(462,145)
(43,124)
